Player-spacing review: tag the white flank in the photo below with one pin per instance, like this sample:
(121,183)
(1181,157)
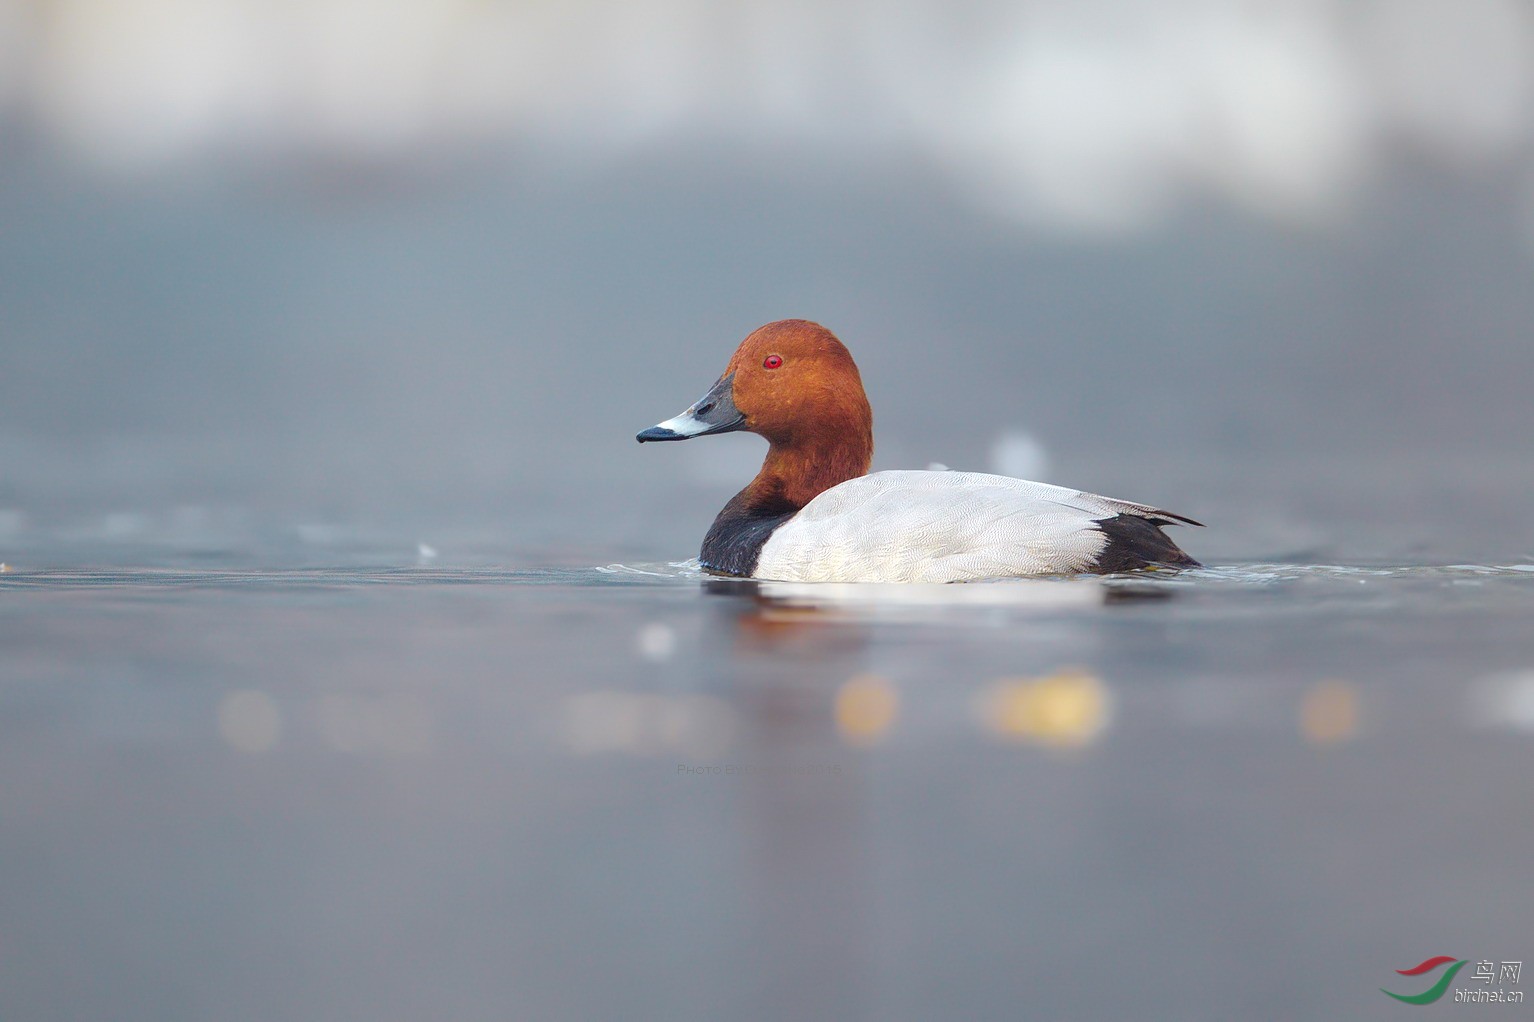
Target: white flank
(912,526)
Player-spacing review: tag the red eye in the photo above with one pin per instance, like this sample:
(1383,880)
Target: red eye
(772,362)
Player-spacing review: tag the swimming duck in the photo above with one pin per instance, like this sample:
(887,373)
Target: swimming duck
(814,513)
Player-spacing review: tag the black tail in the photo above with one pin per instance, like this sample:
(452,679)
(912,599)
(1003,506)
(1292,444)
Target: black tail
(1135,543)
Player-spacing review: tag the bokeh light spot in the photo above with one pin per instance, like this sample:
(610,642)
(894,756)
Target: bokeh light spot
(1504,700)
(1069,708)
(656,641)
(1329,713)
(867,706)
(249,721)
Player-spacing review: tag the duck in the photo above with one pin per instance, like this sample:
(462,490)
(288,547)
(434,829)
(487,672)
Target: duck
(815,513)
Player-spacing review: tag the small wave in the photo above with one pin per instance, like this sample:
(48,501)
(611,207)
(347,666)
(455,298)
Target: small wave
(690,568)
(1260,573)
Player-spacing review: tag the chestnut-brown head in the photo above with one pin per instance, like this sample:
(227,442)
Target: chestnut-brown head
(791,381)
(795,384)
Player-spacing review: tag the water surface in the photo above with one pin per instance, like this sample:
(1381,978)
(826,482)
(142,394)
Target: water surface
(627,791)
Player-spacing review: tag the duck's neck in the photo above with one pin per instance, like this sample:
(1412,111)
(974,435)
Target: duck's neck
(794,473)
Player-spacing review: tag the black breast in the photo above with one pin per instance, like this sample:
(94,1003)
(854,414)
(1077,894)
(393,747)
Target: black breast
(735,540)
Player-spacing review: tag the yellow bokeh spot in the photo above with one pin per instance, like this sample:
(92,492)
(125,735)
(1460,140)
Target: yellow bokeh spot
(1066,709)
(1329,712)
(866,708)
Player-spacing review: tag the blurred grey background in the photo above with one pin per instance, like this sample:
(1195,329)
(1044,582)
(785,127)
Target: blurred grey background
(423,268)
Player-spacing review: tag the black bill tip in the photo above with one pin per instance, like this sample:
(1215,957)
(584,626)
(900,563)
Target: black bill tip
(659,433)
